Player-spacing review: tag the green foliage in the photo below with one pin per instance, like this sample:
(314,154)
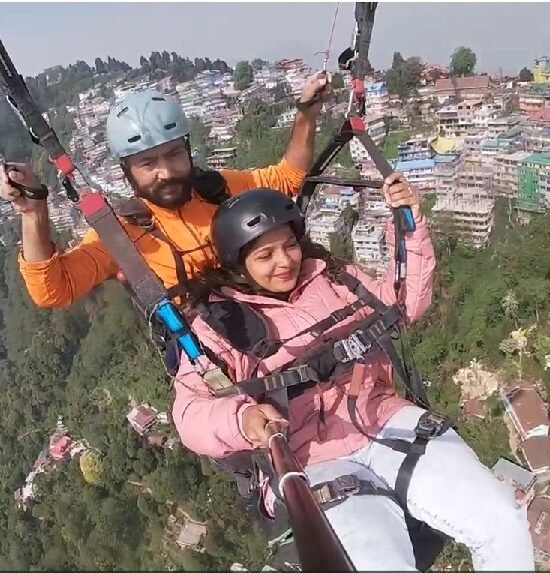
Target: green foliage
(526,75)
(258,63)
(404,76)
(59,87)
(337,81)
(473,312)
(463,62)
(86,363)
(243,75)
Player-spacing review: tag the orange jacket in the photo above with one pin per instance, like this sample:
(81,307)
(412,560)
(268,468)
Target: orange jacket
(68,275)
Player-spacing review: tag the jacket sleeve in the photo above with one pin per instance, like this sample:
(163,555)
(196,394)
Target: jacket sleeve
(208,425)
(420,269)
(282,176)
(68,275)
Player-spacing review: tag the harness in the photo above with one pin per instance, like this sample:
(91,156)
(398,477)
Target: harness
(364,340)
(148,291)
(210,186)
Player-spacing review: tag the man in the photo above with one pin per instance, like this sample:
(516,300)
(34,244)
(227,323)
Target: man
(149,134)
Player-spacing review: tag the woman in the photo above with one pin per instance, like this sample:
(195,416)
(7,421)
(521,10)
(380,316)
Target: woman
(268,265)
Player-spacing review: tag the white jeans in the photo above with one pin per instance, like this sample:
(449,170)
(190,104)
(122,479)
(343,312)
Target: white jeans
(450,490)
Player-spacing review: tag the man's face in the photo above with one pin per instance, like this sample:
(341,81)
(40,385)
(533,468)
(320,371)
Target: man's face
(162,175)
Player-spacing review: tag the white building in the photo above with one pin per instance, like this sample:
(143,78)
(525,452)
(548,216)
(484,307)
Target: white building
(368,244)
(470,217)
(376,128)
(419,172)
(505,172)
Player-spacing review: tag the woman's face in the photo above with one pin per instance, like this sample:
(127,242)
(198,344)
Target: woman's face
(274,260)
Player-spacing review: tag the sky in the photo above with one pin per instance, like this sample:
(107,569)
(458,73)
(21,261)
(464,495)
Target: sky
(40,35)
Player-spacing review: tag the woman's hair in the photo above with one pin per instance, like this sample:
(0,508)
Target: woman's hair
(213,277)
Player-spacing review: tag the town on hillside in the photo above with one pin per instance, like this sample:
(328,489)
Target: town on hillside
(466,142)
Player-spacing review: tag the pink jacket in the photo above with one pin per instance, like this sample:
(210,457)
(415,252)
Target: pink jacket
(212,426)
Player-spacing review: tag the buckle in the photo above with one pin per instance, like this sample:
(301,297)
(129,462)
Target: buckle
(429,425)
(351,348)
(345,486)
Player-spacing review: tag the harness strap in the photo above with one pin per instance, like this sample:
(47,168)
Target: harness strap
(327,358)
(430,425)
(279,381)
(331,493)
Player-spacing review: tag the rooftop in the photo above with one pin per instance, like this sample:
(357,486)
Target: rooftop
(467,83)
(538,515)
(473,205)
(516,156)
(528,407)
(414,164)
(508,471)
(537,452)
(538,159)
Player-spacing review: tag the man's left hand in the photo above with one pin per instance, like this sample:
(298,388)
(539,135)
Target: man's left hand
(399,193)
(315,90)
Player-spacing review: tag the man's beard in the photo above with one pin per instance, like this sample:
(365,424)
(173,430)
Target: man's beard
(168,194)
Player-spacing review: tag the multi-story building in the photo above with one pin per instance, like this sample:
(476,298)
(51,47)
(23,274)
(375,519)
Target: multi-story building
(419,172)
(541,70)
(468,216)
(534,183)
(472,87)
(474,180)
(368,244)
(221,157)
(457,120)
(446,170)
(505,172)
(377,98)
(286,118)
(414,148)
(491,148)
(328,215)
(498,126)
(534,97)
(536,132)
(322,224)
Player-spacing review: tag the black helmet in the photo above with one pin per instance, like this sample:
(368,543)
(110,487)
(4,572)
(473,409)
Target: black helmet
(249,215)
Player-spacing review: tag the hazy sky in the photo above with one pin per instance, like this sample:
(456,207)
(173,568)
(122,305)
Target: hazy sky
(39,35)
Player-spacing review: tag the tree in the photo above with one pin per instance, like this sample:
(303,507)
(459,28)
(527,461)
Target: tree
(404,76)
(397,60)
(100,66)
(258,63)
(337,81)
(92,468)
(526,75)
(243,75)
(463,62)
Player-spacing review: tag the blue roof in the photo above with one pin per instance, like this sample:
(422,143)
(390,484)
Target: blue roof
(376,87)
(445,158)
(414,164)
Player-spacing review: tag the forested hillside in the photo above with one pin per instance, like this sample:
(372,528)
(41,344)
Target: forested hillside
(86,363)
(90,362)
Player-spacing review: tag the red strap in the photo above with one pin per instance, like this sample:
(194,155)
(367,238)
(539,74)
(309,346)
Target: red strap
(90,202)
(358,86)
(356,123)
(64,163)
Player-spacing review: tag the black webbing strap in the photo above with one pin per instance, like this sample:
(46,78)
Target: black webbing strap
(430,425)
(328,180)
(267,384)
(331,493)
